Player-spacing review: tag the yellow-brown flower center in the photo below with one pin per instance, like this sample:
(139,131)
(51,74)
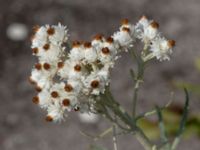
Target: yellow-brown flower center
(68,88)
(105,50)
(46,47)
(171,43)
(38,66)
(109,40)
(125,21)
(54,94)
(87,45)
(76,44)
(49,119)
(154,25)
(46,66)
(60,65)
(35,100)
(98,37)
(125,29)
(77,68)
(51,31)
(94,84)
(66,102)
(35,50)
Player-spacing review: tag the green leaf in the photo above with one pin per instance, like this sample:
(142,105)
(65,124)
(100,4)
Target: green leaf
(183,121)
(185,113)
(161,125)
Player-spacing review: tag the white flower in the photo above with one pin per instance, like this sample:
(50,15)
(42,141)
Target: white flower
(150,32)
(44,99)
(146,30)
(58,34)
(124,38)
(126,24)
(90,54)
(106,56)
(77,52)
(73,87)
(55,113)
(161,48)
(71,70)
(140,26)
(98,42)
(40,37)
(94,84)
(42,79)
(75,81)
(50,53)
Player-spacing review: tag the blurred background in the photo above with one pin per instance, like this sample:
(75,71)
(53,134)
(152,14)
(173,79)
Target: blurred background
(22,125)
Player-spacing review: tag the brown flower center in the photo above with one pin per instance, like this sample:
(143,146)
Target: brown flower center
(77,68)
(38,66)
(38,89)
(76,44)
(94,84)
(35,100)
(98,37)
(31,81)
(49,118)
(105,50)
(68,88)
(171,43)
(35,50)
(60,65)
(46,66)
(36,28)
(66,102)
(54,94)
(109,40)
(125,29)
(51,31)
(154,25)
(87,45)
(124,21)
(46,47)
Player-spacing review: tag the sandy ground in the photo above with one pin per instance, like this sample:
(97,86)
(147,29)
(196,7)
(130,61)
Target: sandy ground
(21,123)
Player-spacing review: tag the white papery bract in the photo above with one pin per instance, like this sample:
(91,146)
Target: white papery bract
(161,48)
(124,38)
(75,80)
(55,112)
(40,37)
(77,52)
(72,70)
(60,34)
(44,99)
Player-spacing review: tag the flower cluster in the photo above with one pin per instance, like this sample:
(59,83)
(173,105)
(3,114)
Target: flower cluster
(71,81)
(147,31)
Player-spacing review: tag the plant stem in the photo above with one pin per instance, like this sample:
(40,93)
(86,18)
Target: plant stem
(143,139)
(138,79)
(135,97)
(114,137)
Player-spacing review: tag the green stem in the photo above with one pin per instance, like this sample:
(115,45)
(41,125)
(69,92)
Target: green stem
(175,143)
(135,97)
(143,139)
(114,136)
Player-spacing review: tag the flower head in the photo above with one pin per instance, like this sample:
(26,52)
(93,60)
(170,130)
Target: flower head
(74,80)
